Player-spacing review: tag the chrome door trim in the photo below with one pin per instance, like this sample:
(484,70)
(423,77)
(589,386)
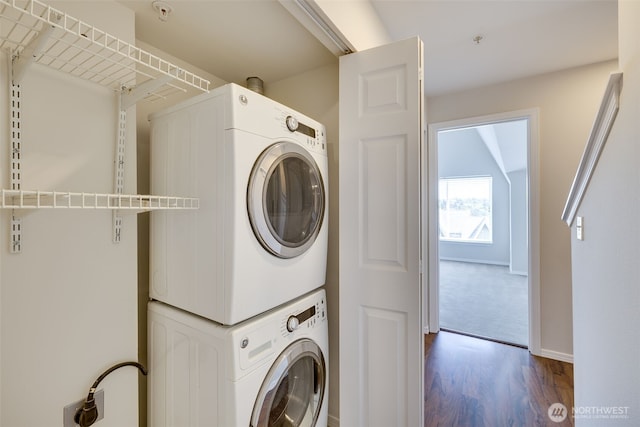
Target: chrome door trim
(261,172)
(296,351)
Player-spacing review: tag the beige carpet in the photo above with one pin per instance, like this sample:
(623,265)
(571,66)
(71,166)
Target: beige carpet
(484,300)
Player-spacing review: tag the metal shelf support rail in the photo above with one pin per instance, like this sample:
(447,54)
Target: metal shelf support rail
(37,199)
(118,175)
(15,156)
(33,32)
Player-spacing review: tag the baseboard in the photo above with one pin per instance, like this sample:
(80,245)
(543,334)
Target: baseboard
(556,355)
(333,421)
(476,261)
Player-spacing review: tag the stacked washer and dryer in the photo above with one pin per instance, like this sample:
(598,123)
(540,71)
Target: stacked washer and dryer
(238,318)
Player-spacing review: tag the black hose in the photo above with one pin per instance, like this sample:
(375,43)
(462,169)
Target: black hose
(88,414)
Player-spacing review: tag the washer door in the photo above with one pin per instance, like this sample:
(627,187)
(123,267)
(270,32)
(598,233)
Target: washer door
(292,393)
(285,199)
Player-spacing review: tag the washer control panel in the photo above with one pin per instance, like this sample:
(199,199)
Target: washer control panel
(306,132)
(308,318)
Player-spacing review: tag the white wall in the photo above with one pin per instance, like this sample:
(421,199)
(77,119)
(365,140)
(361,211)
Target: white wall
(567,101)
(519,217)
(606,271)
(68,301)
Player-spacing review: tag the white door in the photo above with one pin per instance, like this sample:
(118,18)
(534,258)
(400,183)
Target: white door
(381,342)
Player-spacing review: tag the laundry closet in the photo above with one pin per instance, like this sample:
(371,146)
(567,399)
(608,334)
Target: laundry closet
(68,293)
(69,281)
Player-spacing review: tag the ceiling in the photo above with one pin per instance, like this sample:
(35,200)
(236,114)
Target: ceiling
(232,39)
(507,143)
(236,39)
(519,37)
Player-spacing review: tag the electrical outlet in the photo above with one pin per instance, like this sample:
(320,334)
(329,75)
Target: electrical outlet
(580,228)
(69,411)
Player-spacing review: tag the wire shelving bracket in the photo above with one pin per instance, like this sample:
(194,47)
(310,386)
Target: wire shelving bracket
(33,32)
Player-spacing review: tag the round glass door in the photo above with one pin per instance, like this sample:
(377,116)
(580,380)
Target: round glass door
(291,394)
(285,199)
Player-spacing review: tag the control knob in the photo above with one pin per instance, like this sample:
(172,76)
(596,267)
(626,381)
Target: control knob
(292,123)
(292,323)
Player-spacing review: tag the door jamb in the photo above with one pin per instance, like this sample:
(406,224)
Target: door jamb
(430,217)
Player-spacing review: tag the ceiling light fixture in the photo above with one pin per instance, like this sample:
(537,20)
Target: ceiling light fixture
(163,9)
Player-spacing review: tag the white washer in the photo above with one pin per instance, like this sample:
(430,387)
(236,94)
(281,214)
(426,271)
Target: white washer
(269,370)
(259,238)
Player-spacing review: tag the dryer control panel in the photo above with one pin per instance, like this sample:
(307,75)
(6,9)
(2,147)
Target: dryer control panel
(310,317)
(307,132)
(255,113)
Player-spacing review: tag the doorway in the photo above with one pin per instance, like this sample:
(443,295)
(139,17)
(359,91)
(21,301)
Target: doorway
(483,262)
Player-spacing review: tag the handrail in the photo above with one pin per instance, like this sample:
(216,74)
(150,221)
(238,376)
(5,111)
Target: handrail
(599,134)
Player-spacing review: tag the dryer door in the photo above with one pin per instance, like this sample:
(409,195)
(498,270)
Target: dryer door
(286,199)
(292,393)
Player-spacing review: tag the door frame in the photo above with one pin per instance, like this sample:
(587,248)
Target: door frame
(430,216)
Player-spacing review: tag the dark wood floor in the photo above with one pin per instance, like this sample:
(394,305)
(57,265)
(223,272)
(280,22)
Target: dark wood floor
(473,383)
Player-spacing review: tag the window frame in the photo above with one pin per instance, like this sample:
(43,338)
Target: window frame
(449,239)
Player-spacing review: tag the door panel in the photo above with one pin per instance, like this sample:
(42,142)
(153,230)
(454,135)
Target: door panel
(383,197)
(385,388)
(381,345)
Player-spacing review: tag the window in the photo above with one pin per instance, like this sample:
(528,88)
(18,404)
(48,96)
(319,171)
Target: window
(465,209)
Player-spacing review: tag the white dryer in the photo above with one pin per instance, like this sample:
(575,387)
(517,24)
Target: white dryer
(271,370)
(259,238)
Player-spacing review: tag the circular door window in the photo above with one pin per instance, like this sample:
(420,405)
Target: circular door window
(285,199)
(291,394)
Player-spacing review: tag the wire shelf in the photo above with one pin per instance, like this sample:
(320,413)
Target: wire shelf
(36,199)
(29,28)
